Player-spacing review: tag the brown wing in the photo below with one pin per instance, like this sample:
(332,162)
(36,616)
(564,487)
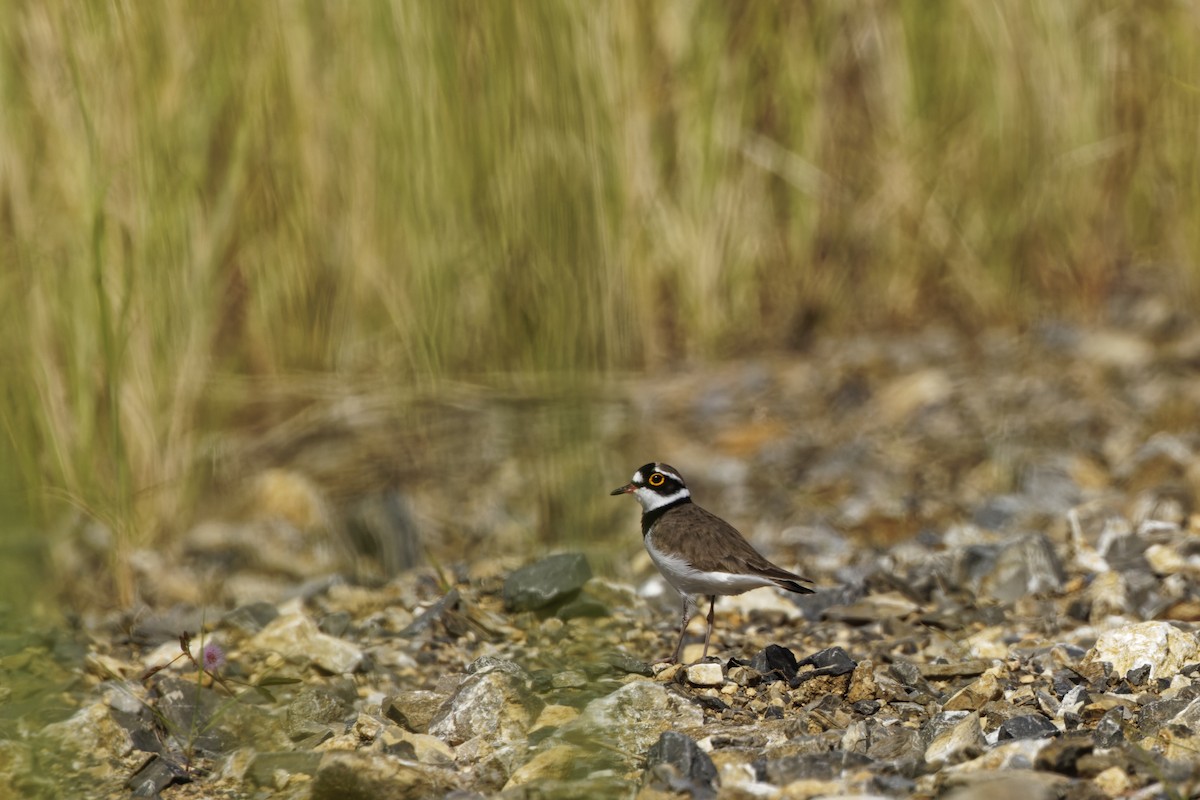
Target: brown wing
(711,544)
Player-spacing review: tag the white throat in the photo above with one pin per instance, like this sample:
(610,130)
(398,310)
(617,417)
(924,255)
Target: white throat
(651,499)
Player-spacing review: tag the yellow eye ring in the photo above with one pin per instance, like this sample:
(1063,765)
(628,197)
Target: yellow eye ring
(656,479)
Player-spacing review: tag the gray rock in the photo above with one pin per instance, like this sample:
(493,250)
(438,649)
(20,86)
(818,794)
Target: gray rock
(551,581)
(493,702)
(676,764)
(311,712)
(155,775)
(413,710)
(1026,726)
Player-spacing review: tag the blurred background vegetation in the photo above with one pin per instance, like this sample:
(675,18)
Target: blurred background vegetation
(202,202)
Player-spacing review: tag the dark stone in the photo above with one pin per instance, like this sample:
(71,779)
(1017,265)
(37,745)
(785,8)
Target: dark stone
(830,661)
(1154,715)
(155,775)
(550,582)
(675,762)
(907,673)
(1138,675)
(866,707)
(1065,680)
(252,617)
(1027,726)
(263,766)
(710,703)
(774,663)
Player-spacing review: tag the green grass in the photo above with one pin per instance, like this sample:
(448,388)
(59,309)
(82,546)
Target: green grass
(430,190)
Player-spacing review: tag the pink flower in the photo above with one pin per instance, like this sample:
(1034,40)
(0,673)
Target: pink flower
(212,657)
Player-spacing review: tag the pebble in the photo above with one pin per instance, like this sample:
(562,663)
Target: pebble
(706,674)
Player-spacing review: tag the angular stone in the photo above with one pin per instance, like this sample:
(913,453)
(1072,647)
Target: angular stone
(774,663)
(1027,726)
(413,710)
(677,763)
(959,740)
(155,775)
(830,661)
(973,696)
(297,638)
(551,581)
(1164,647)
(312,706)
(494,702)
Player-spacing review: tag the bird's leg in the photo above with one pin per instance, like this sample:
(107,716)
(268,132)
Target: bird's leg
(689,608)
(712,606)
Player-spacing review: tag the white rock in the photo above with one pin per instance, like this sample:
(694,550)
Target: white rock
(1164,647)
(297,638)
(706,674)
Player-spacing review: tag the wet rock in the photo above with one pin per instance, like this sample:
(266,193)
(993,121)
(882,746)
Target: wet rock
(155,775)
(556,763)
(297,638)
(1165,648)
(549,582)
(495,701)
(632,718)
(1026,726)
(677,764)
(265,768)
(347,775)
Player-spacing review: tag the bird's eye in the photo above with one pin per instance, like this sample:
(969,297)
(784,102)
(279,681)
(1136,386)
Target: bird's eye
(656,479)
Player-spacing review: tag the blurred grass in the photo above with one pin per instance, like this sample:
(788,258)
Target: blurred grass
(447,189)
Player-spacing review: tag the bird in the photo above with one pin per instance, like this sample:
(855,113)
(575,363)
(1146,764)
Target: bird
(695,550)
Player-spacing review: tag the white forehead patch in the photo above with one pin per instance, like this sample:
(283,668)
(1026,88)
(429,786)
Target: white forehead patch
(637,476)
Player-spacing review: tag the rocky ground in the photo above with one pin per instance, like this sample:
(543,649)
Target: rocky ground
(1003,531)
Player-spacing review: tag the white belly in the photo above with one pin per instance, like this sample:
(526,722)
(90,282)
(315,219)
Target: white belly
(688,580)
